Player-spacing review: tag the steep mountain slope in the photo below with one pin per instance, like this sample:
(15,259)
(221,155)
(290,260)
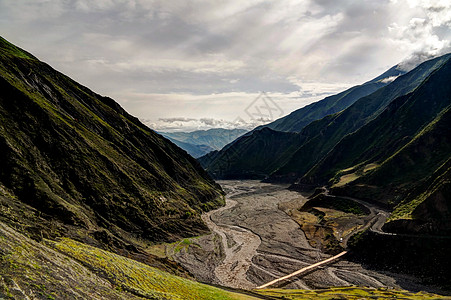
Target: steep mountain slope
(76,164)
(319,137)
(192,149)
(252,156)
(215,138)
(324,134)
(298,119)
(400,159)
(415,180)
(391,130)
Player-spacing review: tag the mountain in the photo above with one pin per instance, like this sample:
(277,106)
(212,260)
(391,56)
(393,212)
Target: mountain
(318,137)
(324,134)
(252,156)
(396,126)
(401,158)
(415,179)
(215,138)
(297,120)
(76,164)
(192,149)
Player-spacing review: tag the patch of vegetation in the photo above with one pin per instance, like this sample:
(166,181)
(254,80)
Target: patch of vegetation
(344,293)
(138,278)
(373,128)
(31,270)
(337,203)
(345,179)
(356,238)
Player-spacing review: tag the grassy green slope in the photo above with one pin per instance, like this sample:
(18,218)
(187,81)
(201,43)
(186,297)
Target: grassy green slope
(323,135)
(396,126)
(71,270)
(426,209)
(415,180)
(350,293)
(81,160)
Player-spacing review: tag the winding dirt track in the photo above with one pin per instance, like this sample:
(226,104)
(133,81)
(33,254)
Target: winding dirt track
(377,215)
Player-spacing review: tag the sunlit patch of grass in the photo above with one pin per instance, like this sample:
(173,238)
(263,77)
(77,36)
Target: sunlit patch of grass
(157,250)
(347,293)
(370,167)
(345,179)
(140,278)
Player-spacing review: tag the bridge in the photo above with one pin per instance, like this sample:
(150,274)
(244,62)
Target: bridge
(316,265)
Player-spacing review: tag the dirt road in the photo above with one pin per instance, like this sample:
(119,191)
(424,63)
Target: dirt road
(377,218)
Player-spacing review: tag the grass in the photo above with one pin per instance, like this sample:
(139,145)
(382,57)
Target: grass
(139,278)
(347,293)
(350,174)
(370,167)
(345,179)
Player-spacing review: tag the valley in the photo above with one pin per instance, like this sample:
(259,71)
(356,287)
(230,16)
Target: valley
(257,241)
(96,205)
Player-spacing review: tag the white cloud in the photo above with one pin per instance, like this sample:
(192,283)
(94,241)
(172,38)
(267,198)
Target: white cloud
(209,59)
(426,34)
(389,79)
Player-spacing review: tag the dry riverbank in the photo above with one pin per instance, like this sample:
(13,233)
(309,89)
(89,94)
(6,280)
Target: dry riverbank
(253,242)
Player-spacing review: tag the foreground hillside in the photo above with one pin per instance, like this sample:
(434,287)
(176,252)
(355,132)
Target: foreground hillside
(77,164)
(71,270)
(67,269)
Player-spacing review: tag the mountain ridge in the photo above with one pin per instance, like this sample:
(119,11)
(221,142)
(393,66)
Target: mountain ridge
(200,142)
(319,136)
(80,160)
(298,119)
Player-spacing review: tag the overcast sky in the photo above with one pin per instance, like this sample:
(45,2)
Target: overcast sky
(201,64)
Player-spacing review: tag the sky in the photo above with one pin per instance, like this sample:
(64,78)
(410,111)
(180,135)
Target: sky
(187,65)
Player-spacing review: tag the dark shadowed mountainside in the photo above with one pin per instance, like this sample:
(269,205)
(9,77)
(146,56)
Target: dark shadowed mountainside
(85,167)
(400,158)
(298,119)
(252,156)
(324,134)
(290,161)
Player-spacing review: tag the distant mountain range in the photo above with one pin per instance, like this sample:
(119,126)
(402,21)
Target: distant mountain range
(200,142)
(387,143)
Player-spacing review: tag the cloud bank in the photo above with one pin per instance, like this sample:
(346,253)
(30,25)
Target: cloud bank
(209,59)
